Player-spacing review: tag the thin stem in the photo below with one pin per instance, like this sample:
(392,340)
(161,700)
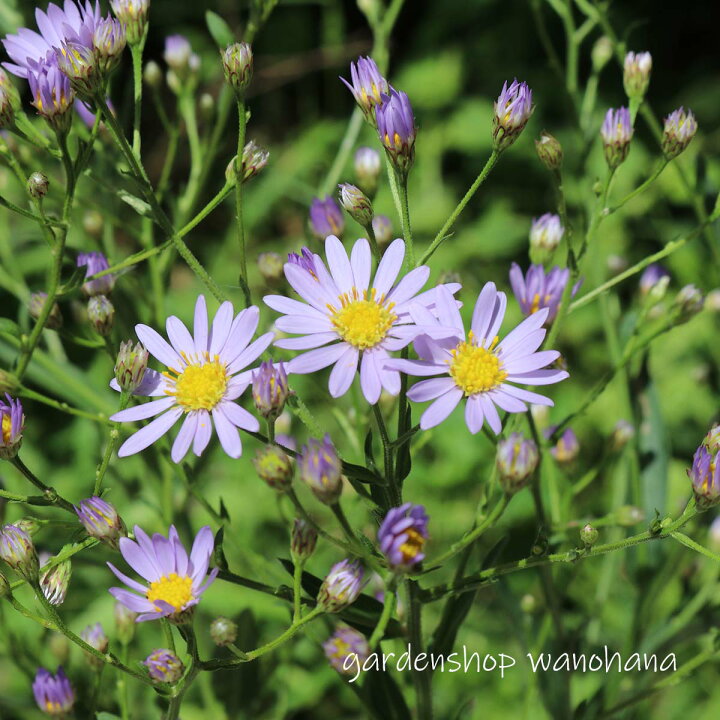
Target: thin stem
(421,679)
(445,229)
(308,519)
(387,455)
(136,51)
(110,447)
(48,492)
(221,195)
(297,591)
(242,125)
(62,406)
(638,190)
(387,612)
(373,241)
(405,219)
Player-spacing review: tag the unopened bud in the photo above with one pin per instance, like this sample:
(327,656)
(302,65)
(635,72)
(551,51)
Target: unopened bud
(601,53)
(95,637)
(321,470)
(237,62)
(367,170)
(18,551)
(356,203)
(223,631)
(54,581)
(516,459)
(38,185)
(101,314)
(164,666)
(271,266)
(152,74)
(124,623)
(588,535)
(130,366)
(341,587)
(623,433)
(101,521)
(35,306)
(382,227)
(549,151)
(636,73)
(303,540)
(7,112)
(270,388)
(274,467)
(688,303)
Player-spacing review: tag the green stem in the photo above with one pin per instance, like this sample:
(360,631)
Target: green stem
(297,591)
(421,679)
(224,192)
(485,577)
(638,190)
(136,51)
(387,612)
(62,406)
(443,233)
(242,126)
(110,447)
(47,491)
(405,219)
(394,500)
(373,241)
(308,519)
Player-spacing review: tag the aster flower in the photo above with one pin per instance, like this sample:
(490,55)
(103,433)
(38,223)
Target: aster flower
(402,536)
(203,379)
(705,476)
(96,262)
(567,448)
(382,227)
(175,582)
(346,649)
(538,289)
(18,551)
(326,218)
(341,587)
(369,320)
(270,389)
(133,14)
(12,423)
(478,367)
(513,109)
(54,580)
(29,50)
(679,129)
(652,276)
(356,204)
(101,520)
(368,86)
(164,666)
(636,73)
(616,133)
(396,129)
(52,95)
(320,468)
(54,694)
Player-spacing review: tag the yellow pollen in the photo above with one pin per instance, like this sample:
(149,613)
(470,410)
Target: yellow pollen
(52,706)
(6,429)
(476,369)
(201,385)
(535,306)
(413,546)
(362,320)
(172,589)
(342,647)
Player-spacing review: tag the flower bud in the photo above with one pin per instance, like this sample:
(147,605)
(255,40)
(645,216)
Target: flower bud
(12,424)
(705,475)
(29,524)
(516,460)
(206,107)
(18,551)
(124,623)
(616,133)
(37,185)
(35,306)
(588,535)
(237,62)
(549,151)
(152,74)
(79,64)
(223,631)
(713,537)
(178,52)
(341,587)
(712,440)
(636,73)
(94,263)
(101,521)
(303,540)
(546,233)
(346,649)
(369,88)
(130,366)
(271,265)
(270,389)
(321,470)
(601,53)
(326,218)
(382,227)
(134,15)
(679,129)
(567,447)
(95,637)
(164,666)
(254,159)
(54,581)
(513,109)
(623,433)
(617,264)
(654,276)
(402,536)
(274,467)
(101,314)
(109,40)
(356,203)
(7,112)
(367,170)
(397,130)
(688,303)
(54,694)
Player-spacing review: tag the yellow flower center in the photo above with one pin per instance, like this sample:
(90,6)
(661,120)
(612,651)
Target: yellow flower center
(53,707)
(413,546)
(6,429)
(535,306)
(342,647)
(476,369)
(362,321)
(201,385)
(172,589)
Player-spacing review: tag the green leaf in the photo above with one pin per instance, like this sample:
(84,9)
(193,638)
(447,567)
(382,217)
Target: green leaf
(219,553)
(358,472)
(10,327)
(138,205)
(219,29)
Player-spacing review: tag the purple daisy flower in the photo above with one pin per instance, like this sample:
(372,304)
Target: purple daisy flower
(396,128)
(479,368)
(513,109)
(705,474)
(402,536)
(95,262)
(28,49)
(538,289)
(54,694)
(164,666)
(369,320)
(51,92)
(368,85)
(175,582)
(202,381)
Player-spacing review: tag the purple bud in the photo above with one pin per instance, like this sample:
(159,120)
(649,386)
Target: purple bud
(346,649)
(513,109)
(367,86)
(616,133)
(96,262)
(12,424)
(101,521)
(326,218)
(636,73)
(54,694)
(18,551)
(164,666)
(567,447)
(133,14)
(321,470)
(341,587)
(516,460)
(270,388)
(302,540)
(95,637)
(680,128)
(396,129)
(382,227)
(538,289)
(652,275)
(705,476)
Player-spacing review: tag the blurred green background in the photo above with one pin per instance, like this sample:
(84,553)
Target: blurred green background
(451,58)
